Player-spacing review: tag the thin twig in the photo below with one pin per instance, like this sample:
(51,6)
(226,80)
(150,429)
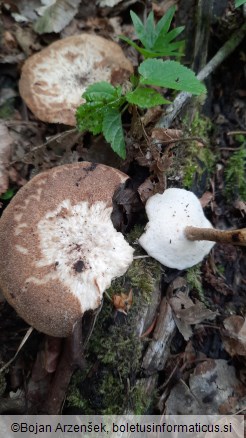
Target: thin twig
(236,133)
(177,140)
(29,331)
(19,123)
(230,149)
(56,137)
(183,97)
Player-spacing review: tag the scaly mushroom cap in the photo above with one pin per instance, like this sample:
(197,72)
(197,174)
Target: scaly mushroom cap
(53,80)
(59,250)
(164,239)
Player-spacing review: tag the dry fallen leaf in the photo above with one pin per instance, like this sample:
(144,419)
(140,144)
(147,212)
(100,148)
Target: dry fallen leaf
(24,10)
(241,206)
(206,199)
(166,135)
(187,310)
(188,313)
(145,190)
(55,15)
(108,3)
(123,302)
(210,387)
(151,115)
(234,338)
(5,151)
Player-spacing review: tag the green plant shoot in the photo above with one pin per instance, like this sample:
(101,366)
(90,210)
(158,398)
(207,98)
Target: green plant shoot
(157,41)
(105,104)
(239,3)
(7,195)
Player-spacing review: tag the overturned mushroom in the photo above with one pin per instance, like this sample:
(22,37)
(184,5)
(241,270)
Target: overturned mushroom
(53,80)
(178,234)
(59,249)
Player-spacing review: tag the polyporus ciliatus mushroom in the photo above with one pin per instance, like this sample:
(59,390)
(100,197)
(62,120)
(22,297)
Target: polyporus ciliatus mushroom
(164,239)
(178,234)
(53,80)
(59,250)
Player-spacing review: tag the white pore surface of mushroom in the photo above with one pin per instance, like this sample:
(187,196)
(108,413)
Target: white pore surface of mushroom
(53,80)
(59,249)
(164,238)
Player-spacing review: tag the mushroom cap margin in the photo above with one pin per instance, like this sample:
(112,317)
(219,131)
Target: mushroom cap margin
(49,306)
(54,79)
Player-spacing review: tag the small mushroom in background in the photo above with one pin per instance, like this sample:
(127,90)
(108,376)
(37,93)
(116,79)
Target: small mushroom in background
(59,252)
(178,234)
(53,80)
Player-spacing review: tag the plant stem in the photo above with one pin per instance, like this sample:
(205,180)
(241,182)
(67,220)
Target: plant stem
(234,237)
(182,98)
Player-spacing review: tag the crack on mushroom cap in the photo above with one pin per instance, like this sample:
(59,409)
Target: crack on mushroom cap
(53,80)
(164,238)
(56,267)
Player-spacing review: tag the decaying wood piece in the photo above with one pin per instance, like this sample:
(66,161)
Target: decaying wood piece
(204,15)
(158,350)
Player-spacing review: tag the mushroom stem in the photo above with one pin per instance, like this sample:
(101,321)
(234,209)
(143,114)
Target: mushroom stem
(234,237)
(71,358)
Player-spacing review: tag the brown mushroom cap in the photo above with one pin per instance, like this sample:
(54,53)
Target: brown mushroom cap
(59,250)
(53,80)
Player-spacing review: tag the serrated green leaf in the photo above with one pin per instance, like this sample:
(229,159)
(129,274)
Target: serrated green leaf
(134,80)
(145,97)
(100,92)
(239,3)
(113,131)
(89,117)
(169,74)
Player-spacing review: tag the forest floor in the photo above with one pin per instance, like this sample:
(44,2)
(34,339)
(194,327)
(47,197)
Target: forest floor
(181,346)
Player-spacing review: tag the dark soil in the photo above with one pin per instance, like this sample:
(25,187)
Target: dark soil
(116,375)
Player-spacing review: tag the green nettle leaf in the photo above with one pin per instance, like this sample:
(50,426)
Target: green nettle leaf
(170,74)
(134,80)
(145,97)
(90,117)
(113,131)
(101,92)
(100,97)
